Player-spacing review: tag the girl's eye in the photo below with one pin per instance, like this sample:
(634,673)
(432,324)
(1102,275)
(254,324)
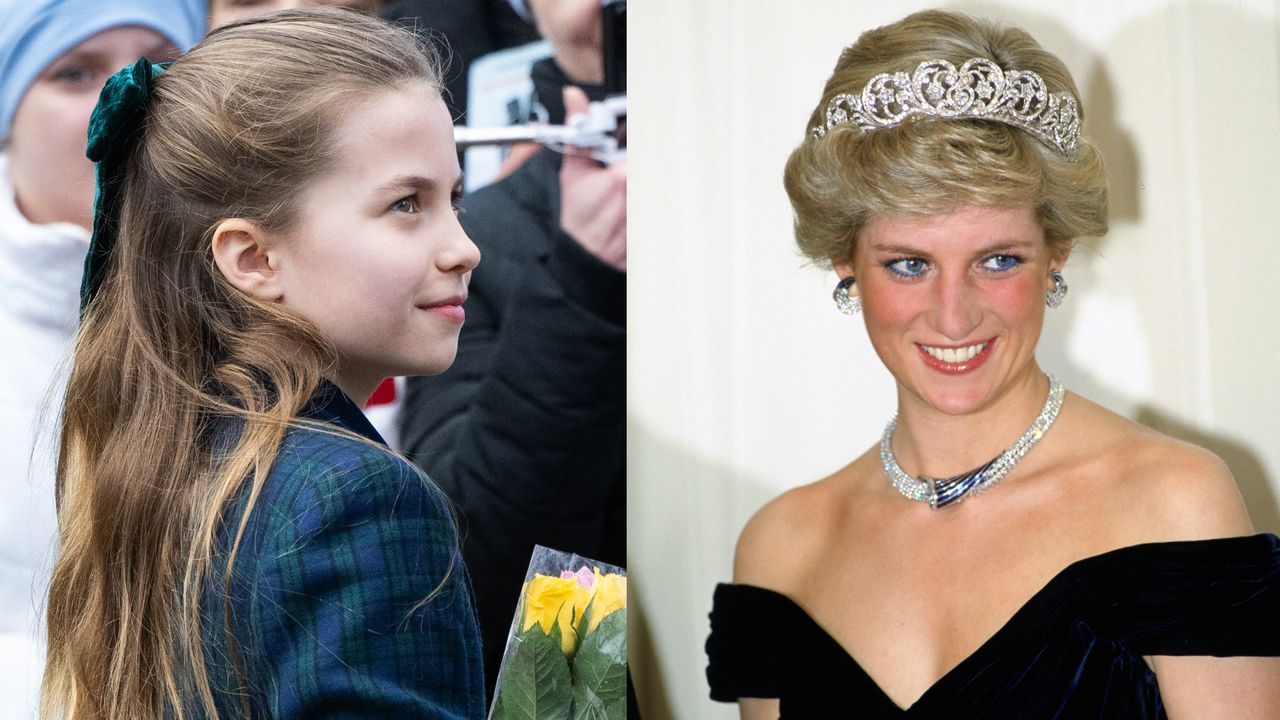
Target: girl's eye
(1001,263)
(405,205)
(907,267)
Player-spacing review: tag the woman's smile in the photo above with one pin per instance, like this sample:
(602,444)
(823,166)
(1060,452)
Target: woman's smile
(956,360)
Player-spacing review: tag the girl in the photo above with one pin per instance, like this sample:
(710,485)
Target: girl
(274,235)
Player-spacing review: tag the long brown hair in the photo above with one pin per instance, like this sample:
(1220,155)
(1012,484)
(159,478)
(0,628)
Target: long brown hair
(168,351)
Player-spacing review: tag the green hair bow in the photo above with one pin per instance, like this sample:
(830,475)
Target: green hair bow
(114,127)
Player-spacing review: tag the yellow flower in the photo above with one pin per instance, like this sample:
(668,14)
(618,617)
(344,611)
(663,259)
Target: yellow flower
(610,594)
(555,600)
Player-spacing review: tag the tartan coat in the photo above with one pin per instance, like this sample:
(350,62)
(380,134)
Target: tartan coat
(343,544)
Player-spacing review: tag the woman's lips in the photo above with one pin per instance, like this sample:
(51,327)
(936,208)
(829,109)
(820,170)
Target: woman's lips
(956,360)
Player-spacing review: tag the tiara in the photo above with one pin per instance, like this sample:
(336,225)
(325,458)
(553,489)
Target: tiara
(978,90)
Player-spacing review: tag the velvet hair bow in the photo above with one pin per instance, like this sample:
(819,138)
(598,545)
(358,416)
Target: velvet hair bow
(114,127)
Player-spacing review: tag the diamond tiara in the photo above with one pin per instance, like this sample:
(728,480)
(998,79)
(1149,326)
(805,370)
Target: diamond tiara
(979,89)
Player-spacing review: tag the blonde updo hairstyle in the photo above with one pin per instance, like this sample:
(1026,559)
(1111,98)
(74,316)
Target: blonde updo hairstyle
(925,166)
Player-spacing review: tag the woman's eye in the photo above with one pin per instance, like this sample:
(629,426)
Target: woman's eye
(907,267)
(1001,263)
(405,205)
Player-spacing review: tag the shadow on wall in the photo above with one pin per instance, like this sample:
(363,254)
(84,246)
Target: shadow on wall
(1124,171)
(1255,486)
(642,660)
(684,519)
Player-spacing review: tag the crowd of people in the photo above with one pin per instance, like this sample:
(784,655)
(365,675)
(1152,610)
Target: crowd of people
(190,340)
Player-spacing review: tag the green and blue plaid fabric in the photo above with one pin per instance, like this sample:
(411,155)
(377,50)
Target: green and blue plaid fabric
(344,543)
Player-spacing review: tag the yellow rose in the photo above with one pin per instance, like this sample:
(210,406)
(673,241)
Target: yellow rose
(610,594)
(555,600)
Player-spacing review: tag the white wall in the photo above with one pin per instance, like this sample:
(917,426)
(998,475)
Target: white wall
(745,381)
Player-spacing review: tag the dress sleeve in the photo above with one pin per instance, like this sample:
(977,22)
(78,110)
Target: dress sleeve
(1207,597)
(743,652)
(344,546)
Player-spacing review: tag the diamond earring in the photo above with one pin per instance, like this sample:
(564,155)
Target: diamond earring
(1054,297)
(846,303)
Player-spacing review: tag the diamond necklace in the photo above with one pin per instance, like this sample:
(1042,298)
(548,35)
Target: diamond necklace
(940,492)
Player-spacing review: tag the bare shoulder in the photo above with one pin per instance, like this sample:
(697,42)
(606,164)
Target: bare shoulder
(785,535)
(1178,490)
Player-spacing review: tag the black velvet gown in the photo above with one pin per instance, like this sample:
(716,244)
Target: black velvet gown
(1074,650)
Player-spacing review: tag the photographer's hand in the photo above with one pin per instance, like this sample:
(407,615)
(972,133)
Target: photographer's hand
(593,198)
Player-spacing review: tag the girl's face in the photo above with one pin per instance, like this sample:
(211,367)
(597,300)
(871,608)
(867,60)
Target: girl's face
(52,179)
(378,260)
(954,303)
(222,12)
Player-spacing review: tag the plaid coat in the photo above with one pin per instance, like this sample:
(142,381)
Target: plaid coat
(344,542)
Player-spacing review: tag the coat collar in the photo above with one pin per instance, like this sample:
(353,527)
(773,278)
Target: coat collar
(329,404)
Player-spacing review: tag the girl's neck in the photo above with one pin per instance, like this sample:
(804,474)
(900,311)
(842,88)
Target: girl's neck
(359,390)
(930,442)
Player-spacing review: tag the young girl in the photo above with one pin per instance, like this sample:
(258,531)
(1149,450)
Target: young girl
(274,235)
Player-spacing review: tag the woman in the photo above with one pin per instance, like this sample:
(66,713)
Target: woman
(1103,563)
(55,56)
(274,234)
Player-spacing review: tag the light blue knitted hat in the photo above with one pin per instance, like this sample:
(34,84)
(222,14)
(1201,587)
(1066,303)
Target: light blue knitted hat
(33,33)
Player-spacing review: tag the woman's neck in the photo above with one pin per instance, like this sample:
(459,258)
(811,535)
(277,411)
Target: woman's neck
(927,441)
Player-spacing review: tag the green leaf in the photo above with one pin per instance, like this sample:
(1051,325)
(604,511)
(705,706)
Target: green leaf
(600,671)
(536,683)
(584,622)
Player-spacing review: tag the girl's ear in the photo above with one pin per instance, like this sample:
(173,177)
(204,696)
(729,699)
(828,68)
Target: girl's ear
(248,258)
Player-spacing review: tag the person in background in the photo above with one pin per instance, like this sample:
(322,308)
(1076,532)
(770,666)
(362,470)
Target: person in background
(526,433)
(222,12)
(55,56)
(469,30)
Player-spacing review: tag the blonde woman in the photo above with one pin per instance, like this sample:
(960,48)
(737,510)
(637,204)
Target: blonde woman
(274,234)
(1009,549)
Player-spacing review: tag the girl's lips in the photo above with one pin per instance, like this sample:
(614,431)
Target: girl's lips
(452,313)
(957,368)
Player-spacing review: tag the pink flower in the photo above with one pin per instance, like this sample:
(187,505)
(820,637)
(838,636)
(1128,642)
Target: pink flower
(585,577)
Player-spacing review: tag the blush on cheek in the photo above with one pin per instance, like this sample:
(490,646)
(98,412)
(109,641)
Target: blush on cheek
(1022,296)
(889,305)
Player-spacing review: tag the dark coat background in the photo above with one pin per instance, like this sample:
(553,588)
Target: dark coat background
(468,29)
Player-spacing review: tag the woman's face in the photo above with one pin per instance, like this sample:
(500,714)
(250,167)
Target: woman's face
(52,179)
(222,12)
(954,303)
(378,260)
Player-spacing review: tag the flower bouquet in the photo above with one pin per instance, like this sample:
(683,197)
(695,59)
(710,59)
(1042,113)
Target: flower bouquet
(566,657)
